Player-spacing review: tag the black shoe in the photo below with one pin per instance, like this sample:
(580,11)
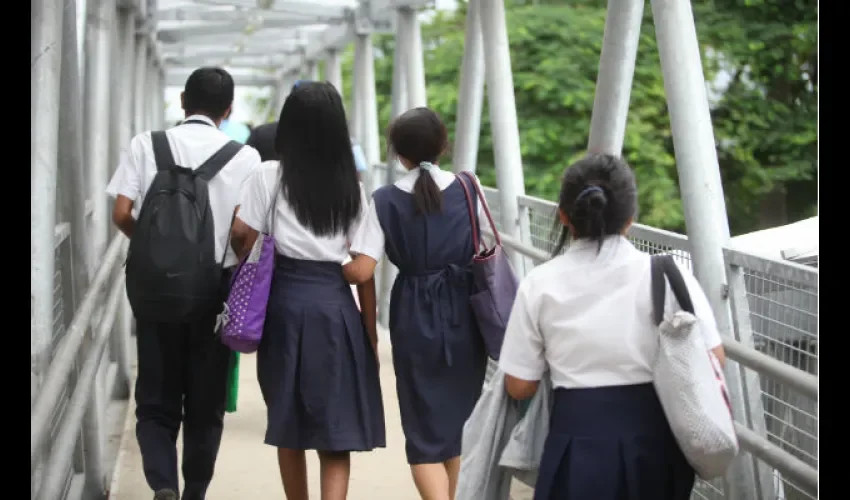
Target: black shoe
(166,495)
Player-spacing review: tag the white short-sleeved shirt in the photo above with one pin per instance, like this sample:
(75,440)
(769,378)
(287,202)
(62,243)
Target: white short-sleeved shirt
(191,145)
(370,239)
(588,318)
(291,238)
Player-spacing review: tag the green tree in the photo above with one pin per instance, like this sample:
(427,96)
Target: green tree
(765,119)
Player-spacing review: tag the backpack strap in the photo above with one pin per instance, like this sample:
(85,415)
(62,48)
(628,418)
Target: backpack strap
(162,151)
(664,266)
(218,160)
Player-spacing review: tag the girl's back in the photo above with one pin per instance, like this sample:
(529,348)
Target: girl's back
(422,243)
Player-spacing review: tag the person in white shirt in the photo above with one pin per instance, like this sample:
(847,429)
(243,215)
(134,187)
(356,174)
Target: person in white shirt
(317,363)
(585,320)
(183,366)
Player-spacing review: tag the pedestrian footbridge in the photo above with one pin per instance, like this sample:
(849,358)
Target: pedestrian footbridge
(99,69)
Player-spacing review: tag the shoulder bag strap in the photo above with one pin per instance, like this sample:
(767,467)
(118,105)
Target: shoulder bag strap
(483,201)
(473,217)
(161,151)
(218,160)
(664,266)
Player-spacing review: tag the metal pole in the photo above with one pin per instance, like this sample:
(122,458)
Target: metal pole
(701,190)
(503,119)
(160,91)
(126,71)
(414,67)
(45,74)
(72,178)
(97,111)
(368,101)
(135,52)
(139,82)
(312,70)
(71,137)
(333,70)
(355,121)
(614,81)
(470,99)
(399,105)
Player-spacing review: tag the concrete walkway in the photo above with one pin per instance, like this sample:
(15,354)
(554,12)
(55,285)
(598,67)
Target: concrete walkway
(247,469)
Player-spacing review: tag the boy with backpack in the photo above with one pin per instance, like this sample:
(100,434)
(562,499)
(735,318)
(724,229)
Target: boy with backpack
(175,195)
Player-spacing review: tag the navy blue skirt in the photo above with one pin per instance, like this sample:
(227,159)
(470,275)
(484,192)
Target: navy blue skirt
(611,443)
(439,361)
(316,368)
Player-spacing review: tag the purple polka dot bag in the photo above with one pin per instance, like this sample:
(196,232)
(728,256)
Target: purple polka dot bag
(244,311)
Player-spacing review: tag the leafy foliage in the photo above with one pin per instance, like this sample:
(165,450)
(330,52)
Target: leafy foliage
(764,110)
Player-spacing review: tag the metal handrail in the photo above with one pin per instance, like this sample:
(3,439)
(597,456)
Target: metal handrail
(66,438)
(802,381)
(67,352)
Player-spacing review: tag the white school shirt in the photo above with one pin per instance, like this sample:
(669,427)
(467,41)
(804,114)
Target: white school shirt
(191,145)
(370,239)
(291,238)
(588,318)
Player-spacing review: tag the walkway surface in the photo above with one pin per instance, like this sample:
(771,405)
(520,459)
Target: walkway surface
(247,469)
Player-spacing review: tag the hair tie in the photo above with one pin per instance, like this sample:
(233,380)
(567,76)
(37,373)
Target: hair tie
(589,190)
(426,166)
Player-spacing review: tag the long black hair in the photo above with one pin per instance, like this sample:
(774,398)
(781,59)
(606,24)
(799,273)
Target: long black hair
(318,176)
(599,196)
(420,136)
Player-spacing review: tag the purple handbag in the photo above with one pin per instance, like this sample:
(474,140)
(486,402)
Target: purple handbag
(495,281)
(245,309)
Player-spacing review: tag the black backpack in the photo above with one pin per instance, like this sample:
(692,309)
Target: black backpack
(172,273)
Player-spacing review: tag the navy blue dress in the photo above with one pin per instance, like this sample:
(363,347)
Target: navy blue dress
(611,443)
(316,368)
(438,354)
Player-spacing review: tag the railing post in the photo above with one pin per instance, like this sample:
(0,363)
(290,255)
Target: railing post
(503,118)
(333,71)
(312,70)
(701,191)
(470,97)
(45,75)
(100,18)
(133,49)
(614,81)
(45,69)
(140,74)
(75,254)
(366,102)
(399,105)
(414,68)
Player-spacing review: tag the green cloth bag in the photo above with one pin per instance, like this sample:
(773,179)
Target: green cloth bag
(233,383)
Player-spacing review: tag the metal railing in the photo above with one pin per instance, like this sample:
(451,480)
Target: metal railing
(67,433)
(774,346)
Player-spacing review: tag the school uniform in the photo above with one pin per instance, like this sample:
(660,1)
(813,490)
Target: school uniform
(182,367)
(438,354)
(587,318)
(316,367)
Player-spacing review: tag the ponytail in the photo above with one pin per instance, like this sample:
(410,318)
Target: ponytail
(426,194)
(589,214)
(587,217)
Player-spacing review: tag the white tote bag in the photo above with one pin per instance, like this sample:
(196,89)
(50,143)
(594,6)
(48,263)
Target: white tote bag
(689,380)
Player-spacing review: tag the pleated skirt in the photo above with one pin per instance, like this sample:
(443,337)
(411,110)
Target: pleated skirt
(611,443)
(316,368)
